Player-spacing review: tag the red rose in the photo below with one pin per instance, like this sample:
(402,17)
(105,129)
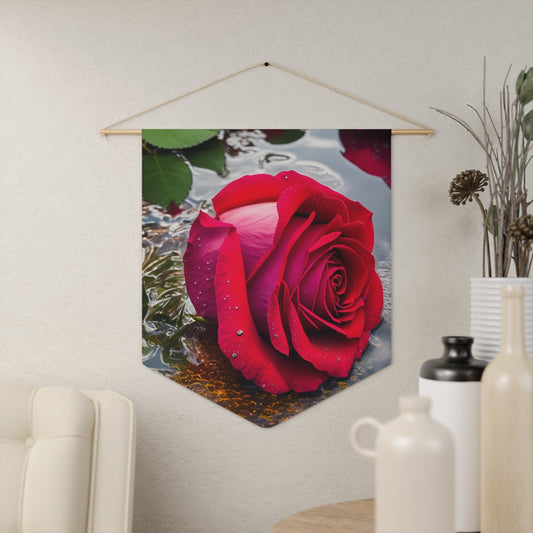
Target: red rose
(286,270)
(369,150)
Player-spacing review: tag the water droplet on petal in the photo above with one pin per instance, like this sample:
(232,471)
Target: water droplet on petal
(240,332)
(234,355)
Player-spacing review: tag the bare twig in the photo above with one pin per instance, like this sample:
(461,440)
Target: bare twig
(508,154)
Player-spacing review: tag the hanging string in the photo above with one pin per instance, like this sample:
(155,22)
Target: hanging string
(106,132)
(423,130)
(347,94)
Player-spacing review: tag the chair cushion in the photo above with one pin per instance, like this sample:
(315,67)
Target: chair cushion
(46,439)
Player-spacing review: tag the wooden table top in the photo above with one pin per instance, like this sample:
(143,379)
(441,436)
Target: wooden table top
(348,517)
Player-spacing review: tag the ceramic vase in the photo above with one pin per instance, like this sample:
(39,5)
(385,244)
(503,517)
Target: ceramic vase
(414,470)
(486,314)
(507,427)
(452,382)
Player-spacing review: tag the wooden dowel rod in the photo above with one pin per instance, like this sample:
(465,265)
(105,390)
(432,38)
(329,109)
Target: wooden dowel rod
(412,132)
(120,132)
(105,132)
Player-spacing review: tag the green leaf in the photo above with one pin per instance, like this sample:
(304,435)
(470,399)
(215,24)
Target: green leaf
(527,126)
(177,138)
(208,155)
(524,86)
(283,136)
(492,222)
(166,178)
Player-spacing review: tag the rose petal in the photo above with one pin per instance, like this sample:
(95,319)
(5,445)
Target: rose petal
(200,261)
(296,258)
(307,196)
(361,231)
(174,210)
(356,263)
(363,341)
(369,150)
(268,273)
(248,190)
(374,301)
(256,225)
(371,162)
(334,354)
(312,290)
(239,339)
(352,329)
(277,329)
(294,194)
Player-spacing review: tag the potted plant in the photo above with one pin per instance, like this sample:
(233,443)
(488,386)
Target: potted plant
(507,226)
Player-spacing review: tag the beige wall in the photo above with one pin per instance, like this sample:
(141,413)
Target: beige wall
(70,212)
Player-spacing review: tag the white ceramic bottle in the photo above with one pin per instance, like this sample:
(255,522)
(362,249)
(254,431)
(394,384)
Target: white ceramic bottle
(414,470)
(453,383)
(507,426)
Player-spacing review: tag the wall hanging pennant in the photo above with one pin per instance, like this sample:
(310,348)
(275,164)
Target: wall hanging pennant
(267,259)
(267,263)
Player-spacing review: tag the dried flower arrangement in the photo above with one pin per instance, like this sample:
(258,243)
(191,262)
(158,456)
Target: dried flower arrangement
(507,226)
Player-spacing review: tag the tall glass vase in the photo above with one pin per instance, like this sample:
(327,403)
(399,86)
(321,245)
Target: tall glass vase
(486,314)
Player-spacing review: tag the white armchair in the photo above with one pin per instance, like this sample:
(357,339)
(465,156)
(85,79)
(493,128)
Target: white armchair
(66,460)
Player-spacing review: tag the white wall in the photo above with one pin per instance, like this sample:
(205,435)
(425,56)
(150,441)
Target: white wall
(70,212)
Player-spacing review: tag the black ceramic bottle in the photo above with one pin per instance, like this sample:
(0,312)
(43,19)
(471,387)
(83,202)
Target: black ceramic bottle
(452,382)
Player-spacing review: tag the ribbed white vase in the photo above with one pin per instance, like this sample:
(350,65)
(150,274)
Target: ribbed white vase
(486,314)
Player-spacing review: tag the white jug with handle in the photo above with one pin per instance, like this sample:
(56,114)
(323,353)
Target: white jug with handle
(414,470)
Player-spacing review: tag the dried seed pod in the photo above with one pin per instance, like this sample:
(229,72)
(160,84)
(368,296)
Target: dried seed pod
(466,185)
(521,229)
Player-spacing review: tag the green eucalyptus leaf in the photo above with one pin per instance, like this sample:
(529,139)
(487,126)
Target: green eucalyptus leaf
(177,139)
(524,86)
(209,154)
(166,178)
(492,219)
(527,126)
